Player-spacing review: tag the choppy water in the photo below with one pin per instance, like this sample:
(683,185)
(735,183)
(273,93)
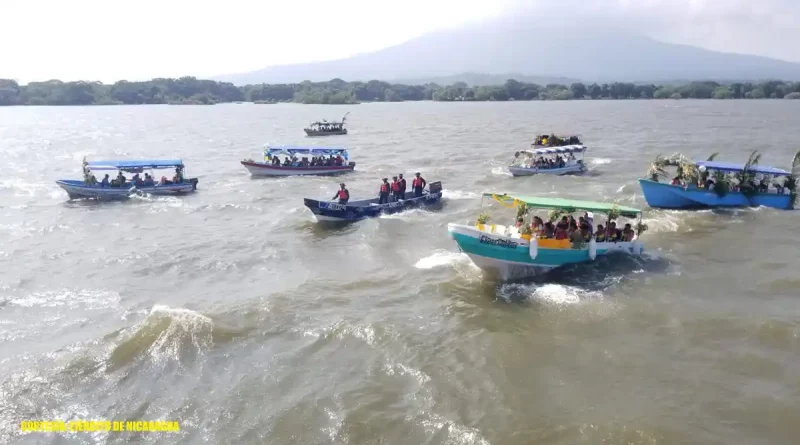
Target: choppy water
(232,312)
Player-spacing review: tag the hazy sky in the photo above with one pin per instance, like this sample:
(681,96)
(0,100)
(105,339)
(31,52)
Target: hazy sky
(137,40)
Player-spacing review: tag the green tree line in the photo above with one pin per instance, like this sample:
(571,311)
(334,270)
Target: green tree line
(189,90)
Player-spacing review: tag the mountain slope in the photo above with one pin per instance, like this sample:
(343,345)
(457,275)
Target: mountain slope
(519,47)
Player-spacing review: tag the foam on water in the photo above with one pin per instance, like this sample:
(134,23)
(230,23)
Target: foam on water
(442,258)
(549,294)
(501,171)
(600,161)
(458,194)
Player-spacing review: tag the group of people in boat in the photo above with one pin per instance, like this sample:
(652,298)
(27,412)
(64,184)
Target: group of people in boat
(749,185)
(555,141)
(396,190)
(136,181)
(328,127)
(580,230)
(546,163)
(389,192)
(315,161)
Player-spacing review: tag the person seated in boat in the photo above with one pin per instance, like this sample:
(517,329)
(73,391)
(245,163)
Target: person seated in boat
(148,180)
(105,182)
(537,225)
(163,181)
(778,188)
(91,180)
(520,223)
(383,195)
(343,195)
(613,234)
(763,186)
(121,179)
(627,233)
(575,235)
(600,234)
(339,160)
(676,181)
(586,232)
(709,184)
(418,184)
(395,186)
(562,228)
(136,181)
(548,231)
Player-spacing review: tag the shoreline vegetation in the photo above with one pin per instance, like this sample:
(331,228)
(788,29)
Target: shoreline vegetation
(192,91)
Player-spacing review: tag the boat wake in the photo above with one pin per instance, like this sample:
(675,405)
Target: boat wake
(501,171)
(600,161)
(547,294)
(458,194)
(443,258)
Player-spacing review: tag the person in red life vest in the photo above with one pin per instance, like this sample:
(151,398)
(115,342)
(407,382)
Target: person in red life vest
(395,189)
(402,187)
(383,196)
(343,194)
(418,184)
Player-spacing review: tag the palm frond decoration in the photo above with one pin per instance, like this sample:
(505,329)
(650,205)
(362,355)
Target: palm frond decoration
(713,156)
(522,210)
(657,168)
(483,218)
(796,164)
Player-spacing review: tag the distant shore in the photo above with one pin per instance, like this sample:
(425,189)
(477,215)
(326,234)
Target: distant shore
(192,91)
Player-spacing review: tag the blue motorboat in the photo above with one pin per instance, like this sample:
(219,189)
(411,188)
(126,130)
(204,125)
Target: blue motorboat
(331,211)
(121,187)
(754,186)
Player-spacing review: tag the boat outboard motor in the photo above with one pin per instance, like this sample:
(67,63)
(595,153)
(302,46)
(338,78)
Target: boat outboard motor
(435,187)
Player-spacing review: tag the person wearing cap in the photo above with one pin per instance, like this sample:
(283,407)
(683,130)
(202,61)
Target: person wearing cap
(343,194)
(418,184)
(395,189)
(402,187)
(383,196)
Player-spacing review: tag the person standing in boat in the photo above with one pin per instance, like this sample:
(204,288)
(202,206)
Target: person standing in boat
(342,194)
(383,196)
(418,184)
(395,189)
(402,187)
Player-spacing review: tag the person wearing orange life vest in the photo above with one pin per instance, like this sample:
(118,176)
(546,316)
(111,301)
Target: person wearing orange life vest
(343,194)
(383,196)
(418,184)
(395,186)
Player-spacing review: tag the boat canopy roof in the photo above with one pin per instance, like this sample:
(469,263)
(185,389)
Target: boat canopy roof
(570,205)
(292,150)
(554,150)
(134,166)
(733,167)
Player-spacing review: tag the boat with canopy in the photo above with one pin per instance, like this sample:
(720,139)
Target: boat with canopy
(519,251)
(331,211)
(325,128)
(122,187)
(300,161)
(552,161)
(712,184)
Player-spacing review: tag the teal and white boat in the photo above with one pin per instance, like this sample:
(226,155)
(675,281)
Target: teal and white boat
(507,253)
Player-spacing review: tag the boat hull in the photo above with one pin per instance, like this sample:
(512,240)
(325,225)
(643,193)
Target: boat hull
(79,190)
(327,211)
(508,257)
(264,169)
(568,170)
(667,196)
(314,133)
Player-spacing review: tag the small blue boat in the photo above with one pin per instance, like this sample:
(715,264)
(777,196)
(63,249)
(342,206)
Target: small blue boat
(330,211)
(664,195)
(91,188)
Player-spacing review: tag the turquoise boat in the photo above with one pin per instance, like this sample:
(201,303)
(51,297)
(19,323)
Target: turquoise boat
(507,254)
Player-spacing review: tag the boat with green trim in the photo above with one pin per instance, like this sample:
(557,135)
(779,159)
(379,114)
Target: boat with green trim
(512,252)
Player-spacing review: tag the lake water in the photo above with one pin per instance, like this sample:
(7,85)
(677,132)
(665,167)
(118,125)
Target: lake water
(232,312)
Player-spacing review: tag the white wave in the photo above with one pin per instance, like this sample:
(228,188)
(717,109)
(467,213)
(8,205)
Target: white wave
(550,294)
(601,161)
(441,258)
(455,432)
(458,194)
(406,214)
(71,299)
(501,171)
